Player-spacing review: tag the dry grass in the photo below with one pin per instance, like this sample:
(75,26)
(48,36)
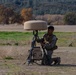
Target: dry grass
(19,54)
(16,66)
(52,19)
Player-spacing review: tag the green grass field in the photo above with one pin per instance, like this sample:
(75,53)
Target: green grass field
(65,39)
(15,66)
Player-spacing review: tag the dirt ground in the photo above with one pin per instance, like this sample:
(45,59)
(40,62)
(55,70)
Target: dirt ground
(20,28)
(20,53)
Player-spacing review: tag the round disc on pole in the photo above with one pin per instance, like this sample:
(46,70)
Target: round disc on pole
(35,25)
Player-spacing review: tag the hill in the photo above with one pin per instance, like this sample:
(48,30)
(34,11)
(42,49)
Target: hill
(41,7)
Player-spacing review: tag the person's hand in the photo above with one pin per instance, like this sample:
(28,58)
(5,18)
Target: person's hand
(42,44)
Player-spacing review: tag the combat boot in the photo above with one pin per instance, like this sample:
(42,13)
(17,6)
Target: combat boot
(57,61)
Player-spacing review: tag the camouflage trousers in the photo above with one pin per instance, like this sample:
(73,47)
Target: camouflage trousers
(49,57)
(48,60)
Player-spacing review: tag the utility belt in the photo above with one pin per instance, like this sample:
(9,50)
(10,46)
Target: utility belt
(48,47)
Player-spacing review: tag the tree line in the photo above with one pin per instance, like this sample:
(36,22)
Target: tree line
(9,16)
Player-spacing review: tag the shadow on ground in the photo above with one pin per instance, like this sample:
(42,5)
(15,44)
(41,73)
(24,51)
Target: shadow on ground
(65,65)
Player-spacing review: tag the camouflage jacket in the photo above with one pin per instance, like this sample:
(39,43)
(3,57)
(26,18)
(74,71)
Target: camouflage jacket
(50,41)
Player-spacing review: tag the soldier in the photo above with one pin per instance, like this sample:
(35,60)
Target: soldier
(49,43)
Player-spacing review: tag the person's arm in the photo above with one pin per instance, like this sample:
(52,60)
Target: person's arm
(53,42)
(40,40)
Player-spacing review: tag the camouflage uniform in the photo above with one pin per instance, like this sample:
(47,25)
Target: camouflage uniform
(50,41)
(50,45)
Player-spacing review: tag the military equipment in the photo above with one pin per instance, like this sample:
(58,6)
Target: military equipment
(35,51)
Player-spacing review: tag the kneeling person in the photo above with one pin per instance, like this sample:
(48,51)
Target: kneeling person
(49,43)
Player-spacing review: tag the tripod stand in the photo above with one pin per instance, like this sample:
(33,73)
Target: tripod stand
(33,45)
